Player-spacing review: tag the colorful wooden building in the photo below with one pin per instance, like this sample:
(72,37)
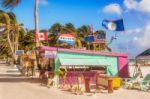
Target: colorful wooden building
(115,64)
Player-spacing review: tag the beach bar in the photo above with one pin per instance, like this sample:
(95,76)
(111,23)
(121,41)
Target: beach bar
(110,63)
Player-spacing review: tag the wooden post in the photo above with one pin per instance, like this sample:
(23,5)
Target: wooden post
(110,86)
(87,84)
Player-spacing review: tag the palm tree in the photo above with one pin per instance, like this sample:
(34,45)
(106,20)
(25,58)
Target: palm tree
(55,28)
(55,31)
(82,32)
(27,41)
(10,31)
(4,47)
(10,3)
(36,19)
(13,3)
(5,23)
(69,28)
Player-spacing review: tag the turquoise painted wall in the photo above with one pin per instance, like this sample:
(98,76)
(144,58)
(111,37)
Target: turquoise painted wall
(111,61)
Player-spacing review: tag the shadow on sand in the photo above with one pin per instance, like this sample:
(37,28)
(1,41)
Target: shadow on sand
(17,78)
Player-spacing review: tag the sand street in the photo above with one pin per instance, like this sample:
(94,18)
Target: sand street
(13,86)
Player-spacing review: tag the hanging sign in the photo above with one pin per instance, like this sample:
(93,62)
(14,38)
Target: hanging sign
(67,38)
(19,52)
(50,54)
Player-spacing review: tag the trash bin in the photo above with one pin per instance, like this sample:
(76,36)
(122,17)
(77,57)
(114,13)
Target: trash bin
(102,80)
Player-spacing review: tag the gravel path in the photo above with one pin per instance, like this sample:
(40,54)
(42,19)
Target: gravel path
(13,86)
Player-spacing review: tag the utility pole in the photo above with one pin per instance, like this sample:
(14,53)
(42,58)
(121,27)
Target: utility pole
(36,20)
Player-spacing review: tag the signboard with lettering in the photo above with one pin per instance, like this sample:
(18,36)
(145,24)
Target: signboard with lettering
(19,52)
(50,54)
(67,38)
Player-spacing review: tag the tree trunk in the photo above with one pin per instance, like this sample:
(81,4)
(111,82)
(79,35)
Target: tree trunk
(8,35)
(10,45)
(79,44)
(36,19)
(16,42)
(36,16)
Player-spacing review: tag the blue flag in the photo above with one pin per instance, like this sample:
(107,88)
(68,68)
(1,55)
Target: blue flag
(89,38)
(116,25)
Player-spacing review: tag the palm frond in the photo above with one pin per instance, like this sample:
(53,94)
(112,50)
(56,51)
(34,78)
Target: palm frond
(9,4)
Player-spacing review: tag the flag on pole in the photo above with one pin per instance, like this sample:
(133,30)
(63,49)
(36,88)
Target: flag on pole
(91,30)
(41,36)
(89,38)
(116,25)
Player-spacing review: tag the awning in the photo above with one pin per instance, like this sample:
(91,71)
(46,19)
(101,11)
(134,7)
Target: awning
(83,62)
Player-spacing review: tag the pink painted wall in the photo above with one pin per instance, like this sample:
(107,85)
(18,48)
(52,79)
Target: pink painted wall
(73,76)
(123,67)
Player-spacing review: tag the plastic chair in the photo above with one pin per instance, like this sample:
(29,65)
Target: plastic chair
(129,81)
(144,85)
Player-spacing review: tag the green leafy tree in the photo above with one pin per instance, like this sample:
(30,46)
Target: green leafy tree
(13,3)
(54,33)
(10,31)
(27,42)
(82,32)
(10,3)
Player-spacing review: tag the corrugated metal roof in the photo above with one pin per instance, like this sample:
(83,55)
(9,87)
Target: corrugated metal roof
(84,51)
(144,54)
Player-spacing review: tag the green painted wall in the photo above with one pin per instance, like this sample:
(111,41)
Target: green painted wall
(111,61)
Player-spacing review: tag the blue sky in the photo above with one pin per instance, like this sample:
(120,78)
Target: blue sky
(91,12)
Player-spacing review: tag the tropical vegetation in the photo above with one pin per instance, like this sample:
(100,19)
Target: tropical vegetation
(13,36)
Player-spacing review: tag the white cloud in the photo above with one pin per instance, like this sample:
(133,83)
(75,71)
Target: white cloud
(145,5)
(142,5)
(134,31)
(43,2)
(113,8)
(141,37)
(135,38)
(130,4)
(144,41)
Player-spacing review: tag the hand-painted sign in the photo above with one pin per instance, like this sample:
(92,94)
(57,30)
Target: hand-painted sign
(19,52)
(2,28)
(50,54)
(67,38)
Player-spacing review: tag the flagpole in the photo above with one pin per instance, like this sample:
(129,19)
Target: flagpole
(127,40)
(127,47)
(36,20)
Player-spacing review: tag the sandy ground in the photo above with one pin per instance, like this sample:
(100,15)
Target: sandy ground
(13,86)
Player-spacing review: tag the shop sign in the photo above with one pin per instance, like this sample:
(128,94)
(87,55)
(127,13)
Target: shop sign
(50,54)
(19,52)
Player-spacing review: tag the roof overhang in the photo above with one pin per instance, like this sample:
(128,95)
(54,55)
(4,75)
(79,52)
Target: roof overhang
(83,62)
